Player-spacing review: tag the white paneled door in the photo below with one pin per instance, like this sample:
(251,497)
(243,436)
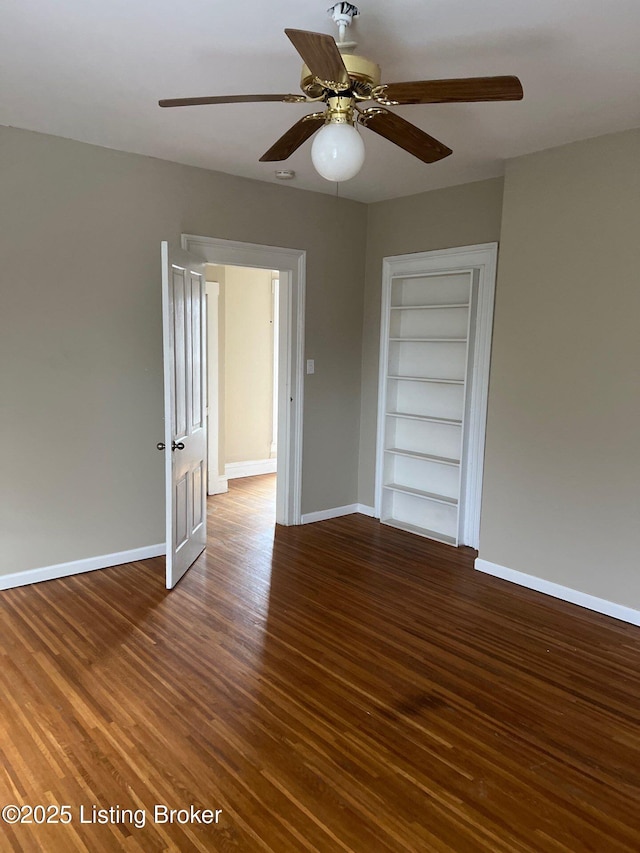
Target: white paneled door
(185,442)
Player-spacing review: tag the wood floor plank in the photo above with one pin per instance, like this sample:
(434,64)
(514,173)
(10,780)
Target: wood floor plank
(340,686)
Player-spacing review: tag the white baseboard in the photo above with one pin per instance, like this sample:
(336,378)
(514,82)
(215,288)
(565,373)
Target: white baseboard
(336,512)
(363,509)
(252,468)
(218,485)
(582,599)
(63,570)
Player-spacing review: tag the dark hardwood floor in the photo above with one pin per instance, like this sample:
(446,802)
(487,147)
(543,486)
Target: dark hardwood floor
(341,686)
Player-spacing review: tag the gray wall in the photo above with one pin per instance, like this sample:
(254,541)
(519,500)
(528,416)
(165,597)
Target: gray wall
(561,494)
(81,344)
(456,216)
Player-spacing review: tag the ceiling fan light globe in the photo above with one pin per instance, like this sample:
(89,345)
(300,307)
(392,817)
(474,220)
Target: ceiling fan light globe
(337,152)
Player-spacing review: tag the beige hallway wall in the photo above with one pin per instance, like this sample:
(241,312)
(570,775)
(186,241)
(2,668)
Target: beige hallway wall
(562,461)
(81,342)
(248,364)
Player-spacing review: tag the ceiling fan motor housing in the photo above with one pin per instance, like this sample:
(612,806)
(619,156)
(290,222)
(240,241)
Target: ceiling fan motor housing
(363,74)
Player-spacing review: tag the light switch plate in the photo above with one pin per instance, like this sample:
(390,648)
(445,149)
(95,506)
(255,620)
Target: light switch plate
(311,365)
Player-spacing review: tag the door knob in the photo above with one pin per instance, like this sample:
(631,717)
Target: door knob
(160,445)
(177,445)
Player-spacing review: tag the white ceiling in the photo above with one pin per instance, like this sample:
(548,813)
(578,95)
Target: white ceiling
(93,70)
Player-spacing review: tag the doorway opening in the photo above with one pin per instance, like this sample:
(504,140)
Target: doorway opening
(286,361)
(242,380)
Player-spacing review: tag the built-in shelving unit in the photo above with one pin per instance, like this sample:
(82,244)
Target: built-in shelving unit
(425,352)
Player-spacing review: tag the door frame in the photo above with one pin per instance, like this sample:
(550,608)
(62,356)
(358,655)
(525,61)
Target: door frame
(216,483)
(292,266)
(481,261)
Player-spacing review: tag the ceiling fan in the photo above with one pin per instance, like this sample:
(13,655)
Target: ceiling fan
(349,85)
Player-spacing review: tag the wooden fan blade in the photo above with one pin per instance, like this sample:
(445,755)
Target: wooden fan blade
(404,134)
(230,99)
(320,54)
(294,137)
(463,89)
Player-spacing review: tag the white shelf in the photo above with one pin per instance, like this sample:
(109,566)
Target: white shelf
(419,493)
(428,307)
(428,379)
(427,457)
(428,418)
(430,340)
(421,531)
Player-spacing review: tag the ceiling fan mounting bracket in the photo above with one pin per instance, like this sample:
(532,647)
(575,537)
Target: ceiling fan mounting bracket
(364,116)
(378,94)
(314,116)
(343,14)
